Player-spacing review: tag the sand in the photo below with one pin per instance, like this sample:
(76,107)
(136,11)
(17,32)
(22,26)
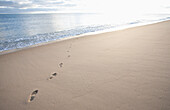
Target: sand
(122,70)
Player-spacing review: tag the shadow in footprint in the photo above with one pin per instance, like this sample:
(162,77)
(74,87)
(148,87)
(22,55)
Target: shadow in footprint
(52,76)
(32,96)
(61,64)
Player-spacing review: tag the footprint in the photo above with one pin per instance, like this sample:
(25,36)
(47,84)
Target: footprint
(69,55)
(68,51)
(32,96)
(61,64)
(52,76)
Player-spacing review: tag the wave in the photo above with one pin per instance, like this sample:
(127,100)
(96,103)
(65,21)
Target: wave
(15,43)
(25,41)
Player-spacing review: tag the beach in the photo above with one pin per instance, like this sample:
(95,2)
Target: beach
(120,70)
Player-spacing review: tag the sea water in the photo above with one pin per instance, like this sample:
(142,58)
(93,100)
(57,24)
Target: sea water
(23,30)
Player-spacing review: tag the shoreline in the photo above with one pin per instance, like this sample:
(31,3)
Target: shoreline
(83,35)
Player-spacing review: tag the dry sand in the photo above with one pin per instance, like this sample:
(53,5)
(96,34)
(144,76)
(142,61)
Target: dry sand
(121,70)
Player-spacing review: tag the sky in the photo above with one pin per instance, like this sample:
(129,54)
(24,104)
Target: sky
(85,6)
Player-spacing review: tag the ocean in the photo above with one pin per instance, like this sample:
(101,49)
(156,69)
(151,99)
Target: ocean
(24,30)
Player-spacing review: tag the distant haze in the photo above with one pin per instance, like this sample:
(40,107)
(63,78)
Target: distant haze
(116,7)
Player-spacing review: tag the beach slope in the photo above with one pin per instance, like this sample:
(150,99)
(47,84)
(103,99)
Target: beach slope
(122,70)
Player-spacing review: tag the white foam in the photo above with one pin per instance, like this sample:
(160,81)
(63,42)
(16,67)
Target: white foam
(16,43)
